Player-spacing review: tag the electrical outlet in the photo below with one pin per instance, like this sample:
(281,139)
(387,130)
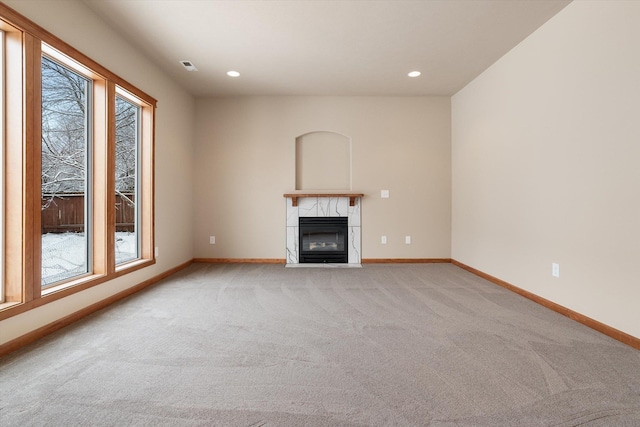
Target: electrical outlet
(407,240)
(555,269)
(383,240)
(384,194)
(212,240)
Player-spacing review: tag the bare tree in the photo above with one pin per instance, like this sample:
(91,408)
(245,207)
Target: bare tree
(65,129)
(126,148)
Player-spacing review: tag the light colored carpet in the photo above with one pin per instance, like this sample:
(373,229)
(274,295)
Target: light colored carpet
(262,345)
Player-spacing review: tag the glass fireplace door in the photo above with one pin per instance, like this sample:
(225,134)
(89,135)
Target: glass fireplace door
(323,240)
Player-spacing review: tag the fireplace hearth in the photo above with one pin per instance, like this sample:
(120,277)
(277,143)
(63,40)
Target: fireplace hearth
(323,240)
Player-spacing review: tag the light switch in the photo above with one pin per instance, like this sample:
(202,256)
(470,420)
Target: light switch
(555,269)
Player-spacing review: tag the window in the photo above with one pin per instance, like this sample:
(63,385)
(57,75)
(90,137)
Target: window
(126,177)
(66,143)
(76,181)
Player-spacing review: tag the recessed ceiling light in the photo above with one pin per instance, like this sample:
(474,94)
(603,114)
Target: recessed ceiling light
(188,65)
(233,74)
(414,74)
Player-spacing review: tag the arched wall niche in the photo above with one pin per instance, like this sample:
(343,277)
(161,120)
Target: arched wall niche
(323,161)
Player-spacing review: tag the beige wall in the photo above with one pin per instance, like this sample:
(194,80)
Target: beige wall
(75,24)
(546,164)
(245,161)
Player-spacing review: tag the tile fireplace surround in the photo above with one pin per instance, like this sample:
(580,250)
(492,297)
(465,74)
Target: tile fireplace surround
(323,205)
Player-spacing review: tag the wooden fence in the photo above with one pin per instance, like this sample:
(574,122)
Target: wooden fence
(65,213)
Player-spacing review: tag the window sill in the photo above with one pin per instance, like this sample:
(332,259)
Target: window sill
(8,305)
(63,290)
(133,265)
(50,290)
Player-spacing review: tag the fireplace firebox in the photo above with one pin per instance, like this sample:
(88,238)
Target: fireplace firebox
(323,240)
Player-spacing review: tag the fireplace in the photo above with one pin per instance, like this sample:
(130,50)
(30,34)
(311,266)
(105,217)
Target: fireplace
(325,205)
(323,240)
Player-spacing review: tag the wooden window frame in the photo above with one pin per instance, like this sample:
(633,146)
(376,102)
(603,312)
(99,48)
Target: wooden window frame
(25,43)
(2,108)
(145,169)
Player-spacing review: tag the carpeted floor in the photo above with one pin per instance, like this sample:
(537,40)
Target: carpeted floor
(262,345)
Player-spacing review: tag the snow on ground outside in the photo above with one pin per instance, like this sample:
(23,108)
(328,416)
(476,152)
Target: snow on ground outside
(64,254)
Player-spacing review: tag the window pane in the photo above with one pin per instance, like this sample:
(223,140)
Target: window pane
(65,197)
(127,176)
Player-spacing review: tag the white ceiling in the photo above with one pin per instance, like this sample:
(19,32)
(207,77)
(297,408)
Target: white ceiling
(325,47)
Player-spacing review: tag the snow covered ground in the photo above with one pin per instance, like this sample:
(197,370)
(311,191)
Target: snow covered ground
(64,254)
